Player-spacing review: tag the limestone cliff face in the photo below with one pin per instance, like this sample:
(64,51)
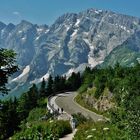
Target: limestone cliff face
(73,42)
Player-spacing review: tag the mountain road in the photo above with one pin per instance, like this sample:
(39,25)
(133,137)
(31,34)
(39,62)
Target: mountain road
(66,101)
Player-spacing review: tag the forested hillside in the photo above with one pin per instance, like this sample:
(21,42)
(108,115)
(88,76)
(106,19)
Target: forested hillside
(121,85)
(29,111)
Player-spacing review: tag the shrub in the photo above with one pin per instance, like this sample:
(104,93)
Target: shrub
(99,131)
(42,102)
(44,130)
(36,114)
(61,128)
(80,119)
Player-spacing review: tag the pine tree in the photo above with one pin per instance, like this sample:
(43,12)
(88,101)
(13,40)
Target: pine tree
(49,88)
(9,119)
(43,88)
(7,67)
(33,96)
(63,86)
(56,84)
(59,84)
(74,81)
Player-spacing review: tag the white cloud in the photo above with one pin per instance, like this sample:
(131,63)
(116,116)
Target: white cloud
(16,13)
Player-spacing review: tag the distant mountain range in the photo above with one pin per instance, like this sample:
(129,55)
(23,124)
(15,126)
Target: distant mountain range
(74,41)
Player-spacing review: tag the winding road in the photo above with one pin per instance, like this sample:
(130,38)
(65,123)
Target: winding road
(66,101)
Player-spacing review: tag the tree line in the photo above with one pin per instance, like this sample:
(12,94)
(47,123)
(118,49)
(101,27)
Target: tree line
(60,84)
(14,111)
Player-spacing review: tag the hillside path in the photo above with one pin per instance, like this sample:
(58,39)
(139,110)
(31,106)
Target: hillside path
(69,136)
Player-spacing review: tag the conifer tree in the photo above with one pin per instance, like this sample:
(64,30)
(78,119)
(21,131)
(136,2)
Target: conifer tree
(49,88)
(56,84)
(33,96)
(43,88)
(74,81)
(7,68)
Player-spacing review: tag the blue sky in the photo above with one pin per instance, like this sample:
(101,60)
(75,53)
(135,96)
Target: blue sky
(47,11)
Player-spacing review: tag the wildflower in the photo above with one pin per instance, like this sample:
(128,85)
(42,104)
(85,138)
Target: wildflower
(89,136)
(93,129)
(106,128)
(100,119)
(51,121)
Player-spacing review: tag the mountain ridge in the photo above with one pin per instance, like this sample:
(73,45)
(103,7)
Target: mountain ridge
(73,42)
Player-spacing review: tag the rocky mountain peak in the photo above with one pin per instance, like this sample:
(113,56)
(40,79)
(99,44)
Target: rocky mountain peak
(73,42)
(10,26)
(2,25)
(25,22)
(24,25)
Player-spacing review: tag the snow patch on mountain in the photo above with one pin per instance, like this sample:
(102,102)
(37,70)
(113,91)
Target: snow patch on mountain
(23,39)
(100,11)
(25,72)
(36,81)
(46,76)
(74,33)
(40,30)
(123,28)
(67,28)
(2,31)
(97,12)
(88,43)
(77,23)
(37,37)
(46,31)
(20,32)
(92,61)
(70,71)
(98,36)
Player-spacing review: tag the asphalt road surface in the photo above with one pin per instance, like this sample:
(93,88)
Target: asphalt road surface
(66,101)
